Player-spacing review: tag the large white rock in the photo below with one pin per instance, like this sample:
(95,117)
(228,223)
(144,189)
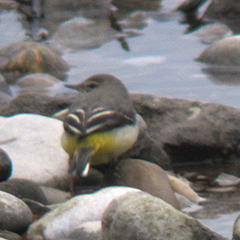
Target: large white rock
(33,144)
(69,216)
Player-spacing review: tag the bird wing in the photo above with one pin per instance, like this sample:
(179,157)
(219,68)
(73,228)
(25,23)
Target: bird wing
(81,124)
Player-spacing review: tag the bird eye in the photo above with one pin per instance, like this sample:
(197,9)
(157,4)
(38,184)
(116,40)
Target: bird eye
(92,85)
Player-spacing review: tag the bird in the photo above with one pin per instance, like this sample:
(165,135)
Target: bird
(100,125)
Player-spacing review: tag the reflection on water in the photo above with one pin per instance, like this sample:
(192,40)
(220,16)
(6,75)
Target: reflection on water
(226,75)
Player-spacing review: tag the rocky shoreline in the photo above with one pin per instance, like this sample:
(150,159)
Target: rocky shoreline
(144,196)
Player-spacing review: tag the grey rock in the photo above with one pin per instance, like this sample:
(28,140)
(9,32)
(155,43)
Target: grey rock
(5,166)
(37,208)
(189,5)
(63,220)
(39,103)
(81,33)
(223,52)
(88,231)
(213,32)
(219,9)
(9,235)
(23,188)
(5,99)
(146,176)
(15,215)
(141,216)
(129,6)
(55,195)
(190,130)
(36,83)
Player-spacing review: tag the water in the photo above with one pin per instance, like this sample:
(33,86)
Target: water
(222,225)
(160,62)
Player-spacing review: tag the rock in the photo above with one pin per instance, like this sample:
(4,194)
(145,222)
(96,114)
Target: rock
(37,83)
(81,33)
(23,188)
(181,186)
(55,195)
(189,5)
(226,180)
(219,9)
(145,176)
(5,166)
(5,99)
(38,209)
(236,229)
(15,215)
(91,183)
(133,5)
(63,220)
(9,235)
(213,32)
(137,19)
(38,103)
(33,144)
(37,80)
(223,52)
(25,57)
(190,131)
(141,216)
(88,231)
(8,5)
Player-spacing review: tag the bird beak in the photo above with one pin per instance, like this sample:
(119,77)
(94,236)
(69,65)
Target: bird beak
(77,87)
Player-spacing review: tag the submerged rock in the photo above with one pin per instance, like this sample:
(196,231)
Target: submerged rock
(81,33)
(213,32)
(25,57)
(225,180)
(223,52)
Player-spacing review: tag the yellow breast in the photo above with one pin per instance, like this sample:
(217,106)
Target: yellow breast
(108,145)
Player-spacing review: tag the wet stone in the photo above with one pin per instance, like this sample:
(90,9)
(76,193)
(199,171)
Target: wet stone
(23,188)
(15,215)
(5,166)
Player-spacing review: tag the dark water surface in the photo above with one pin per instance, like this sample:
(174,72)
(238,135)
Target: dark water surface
(160,62)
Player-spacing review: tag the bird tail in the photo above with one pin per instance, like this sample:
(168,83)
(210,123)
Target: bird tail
(80,162)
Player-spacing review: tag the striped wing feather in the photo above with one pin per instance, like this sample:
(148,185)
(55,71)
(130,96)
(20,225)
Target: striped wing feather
(99,120)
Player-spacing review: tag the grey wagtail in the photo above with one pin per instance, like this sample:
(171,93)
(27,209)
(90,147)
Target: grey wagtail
(100,125)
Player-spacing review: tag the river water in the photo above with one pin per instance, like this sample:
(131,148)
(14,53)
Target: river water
(161,61)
